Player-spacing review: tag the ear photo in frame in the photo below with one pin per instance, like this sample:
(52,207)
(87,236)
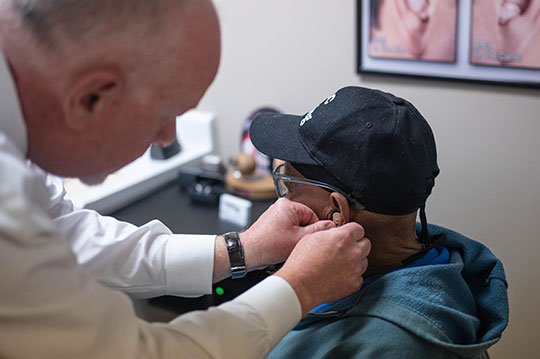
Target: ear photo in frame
(507,34)
(485,41)
(413,30)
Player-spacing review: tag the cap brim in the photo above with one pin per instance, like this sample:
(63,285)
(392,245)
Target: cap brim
(277,136)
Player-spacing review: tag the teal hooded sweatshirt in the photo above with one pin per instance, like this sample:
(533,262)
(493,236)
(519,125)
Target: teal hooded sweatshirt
(454,309)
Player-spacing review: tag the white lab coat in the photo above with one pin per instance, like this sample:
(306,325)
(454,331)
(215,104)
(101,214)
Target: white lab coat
(64,271)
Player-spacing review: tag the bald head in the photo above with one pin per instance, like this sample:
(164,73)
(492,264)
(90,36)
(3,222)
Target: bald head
(100,80)
(57,21)
(67,25)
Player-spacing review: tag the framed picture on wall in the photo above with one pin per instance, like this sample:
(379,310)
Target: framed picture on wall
(489,41)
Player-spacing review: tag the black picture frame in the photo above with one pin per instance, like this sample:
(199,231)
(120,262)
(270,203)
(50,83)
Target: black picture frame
(462,68)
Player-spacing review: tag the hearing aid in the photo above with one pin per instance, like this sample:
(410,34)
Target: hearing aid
(336,218)
(420,7)
(511,9)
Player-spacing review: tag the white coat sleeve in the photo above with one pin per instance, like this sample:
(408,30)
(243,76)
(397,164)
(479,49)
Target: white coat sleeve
(50,307)
(145,261)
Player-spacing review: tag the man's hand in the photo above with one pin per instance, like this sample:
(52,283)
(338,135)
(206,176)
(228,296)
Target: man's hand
(273,236)
(327,265)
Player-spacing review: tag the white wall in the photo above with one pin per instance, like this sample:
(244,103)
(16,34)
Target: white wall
(292,54)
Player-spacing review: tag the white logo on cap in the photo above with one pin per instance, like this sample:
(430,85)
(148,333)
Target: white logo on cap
(329,99)
(309,115)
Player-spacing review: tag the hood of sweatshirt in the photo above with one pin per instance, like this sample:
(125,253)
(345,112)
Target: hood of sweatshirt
(460,306)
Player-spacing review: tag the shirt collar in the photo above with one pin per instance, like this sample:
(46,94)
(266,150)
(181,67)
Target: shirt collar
(11,117)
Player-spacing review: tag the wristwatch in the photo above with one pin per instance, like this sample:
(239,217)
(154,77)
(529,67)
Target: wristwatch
(236,255)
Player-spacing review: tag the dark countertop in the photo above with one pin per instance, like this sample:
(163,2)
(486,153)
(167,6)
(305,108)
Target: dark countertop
(174,208)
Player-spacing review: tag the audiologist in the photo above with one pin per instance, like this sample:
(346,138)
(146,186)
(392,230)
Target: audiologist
(85,88)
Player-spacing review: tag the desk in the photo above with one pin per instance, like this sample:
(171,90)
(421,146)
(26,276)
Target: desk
(174,208)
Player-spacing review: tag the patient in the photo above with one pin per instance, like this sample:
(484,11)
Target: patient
(367,156)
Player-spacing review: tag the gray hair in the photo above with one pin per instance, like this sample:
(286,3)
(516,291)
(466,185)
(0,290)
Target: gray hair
(51,21)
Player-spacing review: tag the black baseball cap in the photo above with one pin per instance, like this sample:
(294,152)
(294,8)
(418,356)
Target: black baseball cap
(372,145)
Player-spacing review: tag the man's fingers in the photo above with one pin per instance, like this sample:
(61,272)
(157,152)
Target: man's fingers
(304,214)
(365,243)
(318,226)
(354,230)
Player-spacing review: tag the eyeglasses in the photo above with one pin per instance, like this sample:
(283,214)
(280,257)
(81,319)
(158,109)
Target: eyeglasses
(280,179)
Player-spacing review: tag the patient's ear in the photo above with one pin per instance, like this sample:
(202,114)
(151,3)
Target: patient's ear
(341,212)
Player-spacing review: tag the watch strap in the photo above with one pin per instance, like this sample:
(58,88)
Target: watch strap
(236,255)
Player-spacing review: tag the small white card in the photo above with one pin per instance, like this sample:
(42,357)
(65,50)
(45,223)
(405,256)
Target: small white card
(234,209)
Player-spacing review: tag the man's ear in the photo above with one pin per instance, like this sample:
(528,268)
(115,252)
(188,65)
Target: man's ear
(90,97)
(341,212)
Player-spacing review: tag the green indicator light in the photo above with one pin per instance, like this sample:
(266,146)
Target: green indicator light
(219,291)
